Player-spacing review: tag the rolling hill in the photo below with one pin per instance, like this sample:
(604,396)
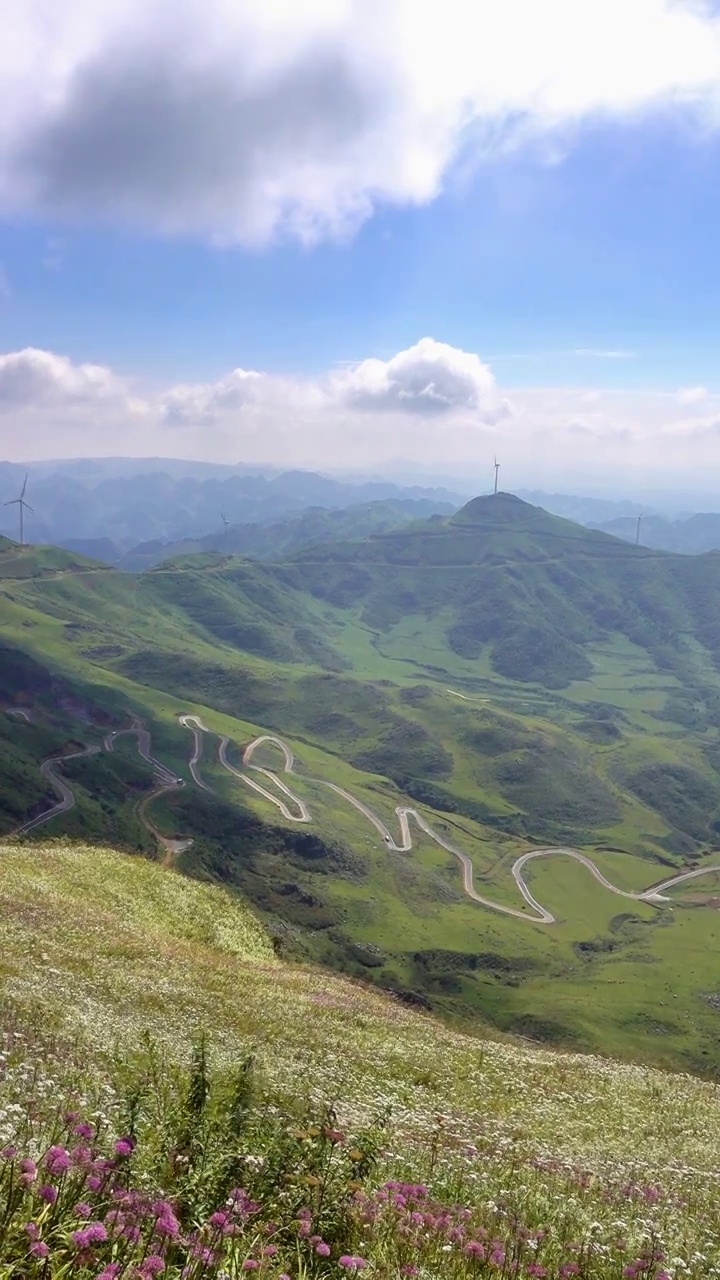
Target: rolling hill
(280,538)
(520,681)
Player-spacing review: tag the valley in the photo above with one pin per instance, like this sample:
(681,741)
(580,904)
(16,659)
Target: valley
(505,683)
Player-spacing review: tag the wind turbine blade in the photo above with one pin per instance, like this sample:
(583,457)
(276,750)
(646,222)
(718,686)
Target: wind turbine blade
(11,503)
(22,495)
(28,508)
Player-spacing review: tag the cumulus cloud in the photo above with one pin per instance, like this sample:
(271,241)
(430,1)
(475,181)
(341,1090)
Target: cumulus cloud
(207,401)
(429,378)
(433,407)
(35,378)
(244,121)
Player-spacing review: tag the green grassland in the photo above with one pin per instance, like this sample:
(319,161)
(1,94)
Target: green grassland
(111,969)
(381,664)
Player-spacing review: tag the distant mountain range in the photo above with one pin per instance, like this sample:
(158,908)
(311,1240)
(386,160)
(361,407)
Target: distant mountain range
(135,512)
(691,535)
(103,508)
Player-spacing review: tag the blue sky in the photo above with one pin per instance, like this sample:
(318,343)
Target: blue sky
(614,248)
(558,226)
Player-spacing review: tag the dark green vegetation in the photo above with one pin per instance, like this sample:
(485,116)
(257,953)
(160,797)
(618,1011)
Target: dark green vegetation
(520,679)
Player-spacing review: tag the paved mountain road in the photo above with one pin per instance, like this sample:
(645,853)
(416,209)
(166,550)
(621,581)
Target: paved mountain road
(167,780)
(67,796)
(197,728)
(303,813)
(653,896)
(164,775)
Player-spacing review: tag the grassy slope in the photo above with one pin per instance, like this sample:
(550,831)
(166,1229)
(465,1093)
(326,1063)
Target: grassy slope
(134,948)
(529,765)
(143,961)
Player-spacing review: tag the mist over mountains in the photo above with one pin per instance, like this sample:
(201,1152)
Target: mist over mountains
(104,507)
(134,512)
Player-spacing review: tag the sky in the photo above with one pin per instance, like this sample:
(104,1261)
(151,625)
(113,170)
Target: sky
(364,234)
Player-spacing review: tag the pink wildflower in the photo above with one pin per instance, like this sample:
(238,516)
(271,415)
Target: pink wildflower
(474,1249)
(48,1194)
(39,1249)
(322,1249)
(57,1161)
(124,1147)
(250,1265)
(84,1130)
(351,1262)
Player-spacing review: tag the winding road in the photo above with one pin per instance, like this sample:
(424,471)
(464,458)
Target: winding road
(653,896)
(67,796)
(294,809)
(197,728)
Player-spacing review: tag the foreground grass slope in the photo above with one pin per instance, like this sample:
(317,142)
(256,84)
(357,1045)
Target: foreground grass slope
(566,1166)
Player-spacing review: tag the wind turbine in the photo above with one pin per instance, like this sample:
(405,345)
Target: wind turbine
(226,522)
(637,531)
(23,505)
(497,468)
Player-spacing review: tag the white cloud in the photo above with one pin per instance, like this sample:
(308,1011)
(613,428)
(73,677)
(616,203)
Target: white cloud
(246,120)
(595,353)
(434,406)
(692,395)
(207,401)
(36,378)
(429,378)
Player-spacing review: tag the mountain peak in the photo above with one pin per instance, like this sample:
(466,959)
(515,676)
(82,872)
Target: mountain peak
(498,509)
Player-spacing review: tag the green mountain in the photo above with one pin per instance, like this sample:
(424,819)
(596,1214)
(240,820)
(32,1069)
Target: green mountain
(530,589)
(519,681)
(279,538)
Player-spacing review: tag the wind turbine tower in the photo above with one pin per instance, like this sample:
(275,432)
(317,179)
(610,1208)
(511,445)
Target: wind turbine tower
(497,468)
(637,531)
(24,506)
(226,522)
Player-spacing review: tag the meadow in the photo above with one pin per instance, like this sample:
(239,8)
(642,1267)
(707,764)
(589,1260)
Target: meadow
(176,1100)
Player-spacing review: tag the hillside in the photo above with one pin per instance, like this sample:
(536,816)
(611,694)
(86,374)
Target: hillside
(315,526)
(548,1152)
(530,589)
(388,669)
